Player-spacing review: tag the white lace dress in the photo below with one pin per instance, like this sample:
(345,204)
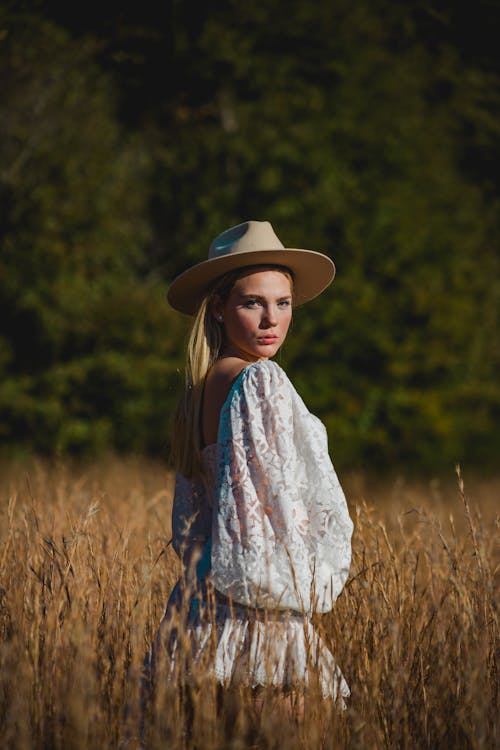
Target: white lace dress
(268,528)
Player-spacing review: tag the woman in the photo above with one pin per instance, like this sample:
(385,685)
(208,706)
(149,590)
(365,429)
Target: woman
(259,518)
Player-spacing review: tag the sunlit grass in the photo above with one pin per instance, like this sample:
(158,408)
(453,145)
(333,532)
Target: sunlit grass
(86,569)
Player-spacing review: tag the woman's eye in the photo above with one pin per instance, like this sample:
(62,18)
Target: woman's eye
(251,303)
(284,303)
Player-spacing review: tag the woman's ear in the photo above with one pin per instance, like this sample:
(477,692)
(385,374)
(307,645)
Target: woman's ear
(216,308)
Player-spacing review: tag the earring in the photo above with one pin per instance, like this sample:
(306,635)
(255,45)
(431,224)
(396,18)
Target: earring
(220,318)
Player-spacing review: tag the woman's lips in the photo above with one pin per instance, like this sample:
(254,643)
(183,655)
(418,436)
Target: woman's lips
(267,339)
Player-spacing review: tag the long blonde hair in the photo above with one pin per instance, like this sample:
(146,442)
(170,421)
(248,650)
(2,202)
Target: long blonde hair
(203,350)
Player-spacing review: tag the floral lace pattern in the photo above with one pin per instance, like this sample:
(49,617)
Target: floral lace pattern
(281,532)
(268,526)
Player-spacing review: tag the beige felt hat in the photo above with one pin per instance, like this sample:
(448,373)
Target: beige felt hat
(252,243)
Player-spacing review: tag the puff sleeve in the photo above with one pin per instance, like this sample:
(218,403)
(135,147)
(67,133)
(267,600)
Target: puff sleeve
(281,532)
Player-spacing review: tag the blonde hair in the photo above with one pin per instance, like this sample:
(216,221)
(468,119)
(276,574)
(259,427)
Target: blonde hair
(203,350)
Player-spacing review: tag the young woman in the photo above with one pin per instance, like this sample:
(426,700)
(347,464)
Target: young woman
(259,518)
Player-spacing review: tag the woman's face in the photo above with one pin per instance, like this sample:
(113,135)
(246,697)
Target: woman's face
(256,315)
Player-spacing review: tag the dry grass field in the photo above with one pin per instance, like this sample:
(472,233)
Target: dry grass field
(85,571)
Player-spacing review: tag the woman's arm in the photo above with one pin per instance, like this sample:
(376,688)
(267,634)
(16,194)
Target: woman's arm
(281,530)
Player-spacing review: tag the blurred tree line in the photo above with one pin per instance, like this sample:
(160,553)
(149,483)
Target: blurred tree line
(130,138)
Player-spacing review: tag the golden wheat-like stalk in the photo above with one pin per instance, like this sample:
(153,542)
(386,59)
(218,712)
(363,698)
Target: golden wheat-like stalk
(86,569)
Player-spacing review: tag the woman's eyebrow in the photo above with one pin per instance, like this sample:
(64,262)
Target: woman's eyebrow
(256,294)
(263,296)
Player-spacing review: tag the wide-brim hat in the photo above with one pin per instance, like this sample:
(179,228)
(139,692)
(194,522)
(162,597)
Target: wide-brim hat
(252,243)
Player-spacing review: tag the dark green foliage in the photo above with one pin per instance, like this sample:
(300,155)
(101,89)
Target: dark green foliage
(369,130)
(88,347)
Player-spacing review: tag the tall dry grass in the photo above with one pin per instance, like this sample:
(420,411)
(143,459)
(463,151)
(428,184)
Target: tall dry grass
(85,571)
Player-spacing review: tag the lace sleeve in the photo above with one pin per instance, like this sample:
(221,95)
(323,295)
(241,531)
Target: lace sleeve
(281,531)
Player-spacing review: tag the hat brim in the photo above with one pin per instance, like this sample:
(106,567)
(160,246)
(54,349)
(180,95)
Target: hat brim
(312,272)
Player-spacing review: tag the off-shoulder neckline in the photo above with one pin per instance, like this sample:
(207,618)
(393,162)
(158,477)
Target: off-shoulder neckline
(235,384)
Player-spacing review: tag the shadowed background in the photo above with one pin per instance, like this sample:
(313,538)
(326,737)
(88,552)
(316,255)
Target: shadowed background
(369,130)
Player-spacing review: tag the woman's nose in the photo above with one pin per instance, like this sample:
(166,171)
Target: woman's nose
(270,318)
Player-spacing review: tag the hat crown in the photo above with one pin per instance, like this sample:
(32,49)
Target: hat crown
(251,236)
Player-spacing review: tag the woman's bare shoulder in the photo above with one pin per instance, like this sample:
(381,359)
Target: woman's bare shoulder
(218,383)
(223,374)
